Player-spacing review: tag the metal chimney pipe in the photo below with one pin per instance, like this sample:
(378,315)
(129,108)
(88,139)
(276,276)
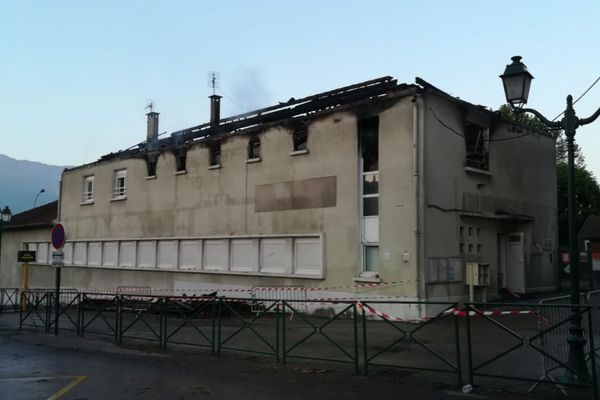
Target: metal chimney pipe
(152,131)
(215,109)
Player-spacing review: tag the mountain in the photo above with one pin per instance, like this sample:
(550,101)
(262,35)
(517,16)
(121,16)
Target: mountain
(22,180)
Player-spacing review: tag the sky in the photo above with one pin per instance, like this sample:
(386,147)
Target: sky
(76,76)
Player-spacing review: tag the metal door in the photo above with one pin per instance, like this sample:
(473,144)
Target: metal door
(515,262)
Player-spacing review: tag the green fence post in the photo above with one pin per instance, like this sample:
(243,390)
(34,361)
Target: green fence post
(219,323)
(592,352)
(457,338)
(469,343)
(355,325)
(78,300)
(162,321)
(284,334)
(119,319)
(365,349)
(277,323)
(48,311)
(213,316)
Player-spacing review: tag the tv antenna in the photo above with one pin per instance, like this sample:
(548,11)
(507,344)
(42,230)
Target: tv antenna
(150,106)
(213,81)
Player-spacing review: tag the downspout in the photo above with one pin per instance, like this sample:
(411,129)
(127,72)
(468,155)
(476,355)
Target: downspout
(419,179)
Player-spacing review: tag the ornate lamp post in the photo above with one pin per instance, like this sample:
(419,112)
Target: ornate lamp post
(517,80)
(5,216)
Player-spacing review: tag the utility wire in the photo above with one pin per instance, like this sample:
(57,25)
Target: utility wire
(579,98)
(461,135)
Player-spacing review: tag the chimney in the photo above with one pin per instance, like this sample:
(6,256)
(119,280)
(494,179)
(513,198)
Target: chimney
(215,109)
(152,132)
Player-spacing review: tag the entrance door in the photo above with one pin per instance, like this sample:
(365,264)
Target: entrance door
(515,262)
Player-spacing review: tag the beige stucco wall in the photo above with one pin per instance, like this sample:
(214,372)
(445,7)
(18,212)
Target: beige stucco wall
(221,202)
(523,177)
(11,272)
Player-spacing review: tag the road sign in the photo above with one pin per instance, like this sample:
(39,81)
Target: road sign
(58,235)
(58,259)
(26,256)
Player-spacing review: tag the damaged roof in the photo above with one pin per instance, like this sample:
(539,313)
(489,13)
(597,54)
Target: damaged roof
(294,110)
(375,90)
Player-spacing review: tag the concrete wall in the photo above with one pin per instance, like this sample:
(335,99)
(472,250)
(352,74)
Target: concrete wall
(521,180)
(11,272)
(221,201)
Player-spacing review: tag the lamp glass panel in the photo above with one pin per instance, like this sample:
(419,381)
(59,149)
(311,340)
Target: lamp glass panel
(513,87)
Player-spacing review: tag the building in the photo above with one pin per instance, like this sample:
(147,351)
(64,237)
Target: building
(395,186)
(31,225)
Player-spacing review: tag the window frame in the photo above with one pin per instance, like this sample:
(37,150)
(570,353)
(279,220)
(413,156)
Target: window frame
(119,192)
(214,155)
(87,196)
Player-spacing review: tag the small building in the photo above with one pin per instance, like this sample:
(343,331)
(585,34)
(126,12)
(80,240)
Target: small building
(31,225)
(374,189)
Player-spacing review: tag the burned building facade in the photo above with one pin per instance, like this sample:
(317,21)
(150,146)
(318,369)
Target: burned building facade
(396,185)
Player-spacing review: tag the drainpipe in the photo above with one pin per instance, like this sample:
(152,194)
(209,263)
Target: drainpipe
(419,185)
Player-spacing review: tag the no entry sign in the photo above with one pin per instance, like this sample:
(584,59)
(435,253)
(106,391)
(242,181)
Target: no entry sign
(58,236)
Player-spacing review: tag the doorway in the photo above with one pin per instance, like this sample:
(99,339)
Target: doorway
(514,260)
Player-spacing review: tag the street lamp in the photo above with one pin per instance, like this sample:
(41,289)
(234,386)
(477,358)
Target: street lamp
(516,80)
(36,197)
(5,216)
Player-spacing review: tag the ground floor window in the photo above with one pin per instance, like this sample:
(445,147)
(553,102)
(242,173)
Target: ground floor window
(371,259)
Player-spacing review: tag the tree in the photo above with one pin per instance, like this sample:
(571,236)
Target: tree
(587,197)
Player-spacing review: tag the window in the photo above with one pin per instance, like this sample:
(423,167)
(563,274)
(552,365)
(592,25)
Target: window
(368,140)
(477,144)
(151,164)
(120,184)
(371,261)
(254,148)
(180,161)
(215,154)
(88,189)
(300,137)
(369,149)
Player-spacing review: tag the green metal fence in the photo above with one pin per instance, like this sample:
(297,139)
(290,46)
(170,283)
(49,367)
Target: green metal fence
(500,343)
(518,343)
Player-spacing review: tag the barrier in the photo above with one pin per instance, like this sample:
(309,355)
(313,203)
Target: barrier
(516,342)
(9,300)
(362,334)
(441,355)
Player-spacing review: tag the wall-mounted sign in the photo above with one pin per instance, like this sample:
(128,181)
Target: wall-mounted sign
(26,256)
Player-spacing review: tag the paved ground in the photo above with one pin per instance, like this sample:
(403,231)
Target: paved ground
(34,365)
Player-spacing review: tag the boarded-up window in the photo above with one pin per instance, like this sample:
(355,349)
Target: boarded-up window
(167,254)
(146,254)
(276,256)
(109,256)
(190,254)
(94,253)
(127,252)
(244,255)
(215,255)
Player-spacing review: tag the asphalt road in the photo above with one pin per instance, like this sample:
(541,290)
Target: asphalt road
(34,365)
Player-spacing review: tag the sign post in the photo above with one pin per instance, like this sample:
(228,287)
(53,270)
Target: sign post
(25,257)
(58,236)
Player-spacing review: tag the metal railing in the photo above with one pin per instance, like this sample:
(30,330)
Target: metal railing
(9,300)
(500,343)
(517,341)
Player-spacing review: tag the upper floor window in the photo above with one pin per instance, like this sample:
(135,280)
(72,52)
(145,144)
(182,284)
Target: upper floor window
(300,138)
(180,161)
(477,144)
(254,148)
(120,184)
(87,195)
(215,154)
(151,162)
